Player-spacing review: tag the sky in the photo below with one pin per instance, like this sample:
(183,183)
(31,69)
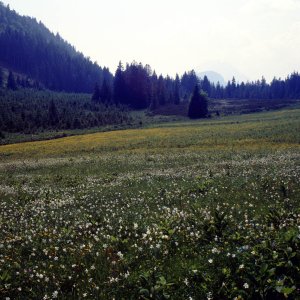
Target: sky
(247,39)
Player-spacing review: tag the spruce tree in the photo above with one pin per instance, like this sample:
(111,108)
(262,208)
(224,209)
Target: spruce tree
(161,91)
(154,92)
(205,85)
(176,90)
(119,86)
(198,105)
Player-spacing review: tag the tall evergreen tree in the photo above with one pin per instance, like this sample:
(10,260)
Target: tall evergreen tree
(228,93)
(11,82)
(154,92)
(218,93)
(176,90)
(198,105)
(119,86)
(161,91)
(233,88)
(205,85)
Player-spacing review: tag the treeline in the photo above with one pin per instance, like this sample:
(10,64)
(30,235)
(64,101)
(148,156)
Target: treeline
(139,87)
(31,111)
(28,47)
(288,88)
(134,87)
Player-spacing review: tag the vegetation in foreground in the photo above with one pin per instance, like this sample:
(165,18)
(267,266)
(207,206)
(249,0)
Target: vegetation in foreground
(201,210)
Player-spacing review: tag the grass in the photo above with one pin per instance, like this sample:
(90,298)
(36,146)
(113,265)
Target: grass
(140,119)
(185,210)
(277,129)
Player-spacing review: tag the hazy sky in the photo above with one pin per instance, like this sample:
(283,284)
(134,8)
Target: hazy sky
(250,37)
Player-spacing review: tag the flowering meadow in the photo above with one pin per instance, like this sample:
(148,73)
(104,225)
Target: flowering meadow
(197,210)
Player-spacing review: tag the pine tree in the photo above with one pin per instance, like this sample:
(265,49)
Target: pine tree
(176,91)
(198,105)
(161,91)
(219,90)
(11,82)
(119,85)
(205,85)
(233,87)
(154,92)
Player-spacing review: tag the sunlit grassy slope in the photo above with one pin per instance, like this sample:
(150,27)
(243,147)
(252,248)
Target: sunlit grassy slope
(279,129)
(204,209)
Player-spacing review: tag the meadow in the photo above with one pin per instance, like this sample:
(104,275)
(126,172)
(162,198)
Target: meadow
(204,209)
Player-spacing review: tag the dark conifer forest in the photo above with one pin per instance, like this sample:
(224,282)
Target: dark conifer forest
(29,48)
(31,111)
(42,76)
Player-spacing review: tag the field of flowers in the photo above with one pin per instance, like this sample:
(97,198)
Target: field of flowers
(197,210)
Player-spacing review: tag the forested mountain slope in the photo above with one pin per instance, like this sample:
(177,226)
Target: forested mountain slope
(29,48)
